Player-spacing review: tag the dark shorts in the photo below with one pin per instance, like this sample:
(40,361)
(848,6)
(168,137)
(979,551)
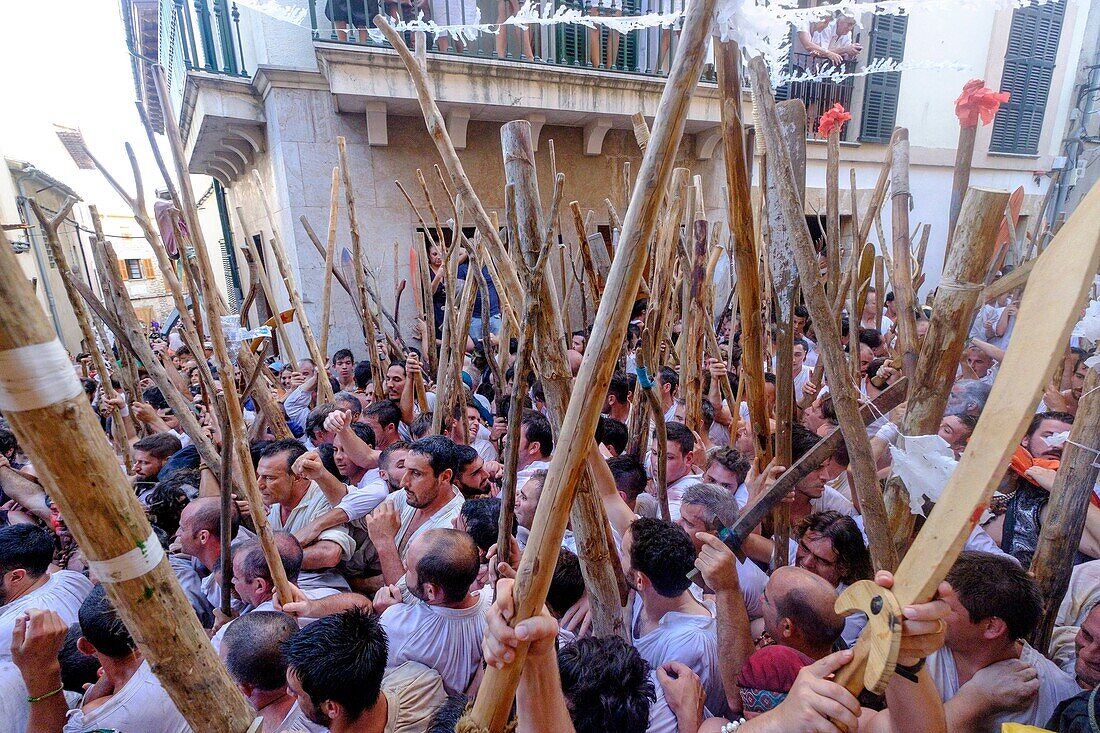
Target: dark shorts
(357,13)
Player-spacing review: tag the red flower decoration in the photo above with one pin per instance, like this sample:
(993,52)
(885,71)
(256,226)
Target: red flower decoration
(832,120)
(978,101)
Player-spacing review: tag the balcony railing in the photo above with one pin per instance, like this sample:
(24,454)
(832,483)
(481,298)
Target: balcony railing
(820,95)
(208,34)
(647,52)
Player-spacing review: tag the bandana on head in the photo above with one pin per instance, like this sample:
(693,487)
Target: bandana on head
(768,675)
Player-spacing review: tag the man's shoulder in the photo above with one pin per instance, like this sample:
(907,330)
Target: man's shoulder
(413,691)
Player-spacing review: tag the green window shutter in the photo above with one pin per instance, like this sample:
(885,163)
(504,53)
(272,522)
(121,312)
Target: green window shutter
(1028,68)
(880,95)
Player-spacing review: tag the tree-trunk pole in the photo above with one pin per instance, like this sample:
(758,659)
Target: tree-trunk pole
(494,699)
(832,209)
(844,396)
(57,428)
(960,180)
(695,317)
(324,388)
(956,302)
(557,381)
(746,260)
(234,414)
(1069,501)
(902,276)
(330,254)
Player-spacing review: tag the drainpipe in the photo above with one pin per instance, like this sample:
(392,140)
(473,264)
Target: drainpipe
(36,246)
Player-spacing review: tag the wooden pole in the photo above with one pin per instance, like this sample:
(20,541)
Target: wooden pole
(238,431)
(494,699)
(960,179)
(58,430)
(256,261)
(508,282)
(324,388)
(330,252)
(832,210)
(902,276)
(1069,501)
(746,260)
(956,302)
(844,396)
(49,226)
(553,366)
(369,329)
(695,318)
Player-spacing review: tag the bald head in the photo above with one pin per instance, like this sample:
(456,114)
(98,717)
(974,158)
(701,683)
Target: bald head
(253,562)
(804,609)
(443,565)
(205,513)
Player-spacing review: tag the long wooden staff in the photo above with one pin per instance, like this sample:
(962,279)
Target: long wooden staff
(238,431)
(1069,502)
(902,277)
(324,388)
(746,259)
(843,392)
(42,400)
(695,318)
(956,302)
(330,253)
(369,326)
(50,226)
(1041,333)
(256,261)
(494,699)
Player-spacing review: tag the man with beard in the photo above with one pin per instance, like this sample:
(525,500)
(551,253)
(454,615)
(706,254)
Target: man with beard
(471,478)
(427,500)
(25,555)
(443,624)
(335,669)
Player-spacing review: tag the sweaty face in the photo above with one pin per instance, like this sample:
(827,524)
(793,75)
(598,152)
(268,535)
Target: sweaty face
(344,369)
(394,469)
(474,479)
(307,369)
(273,479)
(813,485)
(955,433)
(716,473)
(979,361)
(866,356)
(395,382)
(816,554)
(1087,667)
(421,485)
(677,464)
(146,465)
(527,500)
(1077,381)
(692,519)
(798,358)
(344,464)
(578,344)
(309,709)
(1036,442)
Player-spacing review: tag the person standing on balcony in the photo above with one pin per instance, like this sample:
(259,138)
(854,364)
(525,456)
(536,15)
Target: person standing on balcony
(453,12)
(808,45)
(354,13)
(505,10)
(610,54)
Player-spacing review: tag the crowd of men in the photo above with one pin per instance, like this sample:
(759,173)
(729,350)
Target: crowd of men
(402,597)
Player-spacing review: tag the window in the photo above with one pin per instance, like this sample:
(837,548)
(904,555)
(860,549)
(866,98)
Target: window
(1029,65)
(880,96)
(133,270)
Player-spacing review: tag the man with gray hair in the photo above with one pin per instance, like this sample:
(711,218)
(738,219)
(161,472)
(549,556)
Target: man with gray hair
(706,508)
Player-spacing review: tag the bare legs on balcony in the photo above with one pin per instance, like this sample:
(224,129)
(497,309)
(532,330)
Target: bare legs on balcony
(505,9)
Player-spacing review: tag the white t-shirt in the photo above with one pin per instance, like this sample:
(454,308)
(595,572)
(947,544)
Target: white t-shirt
(297,722)
(1054,686)
(686,638)
(141,706)
(14,708)
(361,500)
(446,639)
(525,473)
(801,379)
(62,593)
(676,492)
(314,594)
(312,505)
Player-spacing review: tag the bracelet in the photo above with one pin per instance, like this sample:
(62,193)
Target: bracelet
(910,673)
(733,725)
(40,698)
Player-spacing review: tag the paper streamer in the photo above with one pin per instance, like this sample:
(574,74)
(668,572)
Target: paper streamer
(36,376)
(925,464)
(1089,325)
(133,564)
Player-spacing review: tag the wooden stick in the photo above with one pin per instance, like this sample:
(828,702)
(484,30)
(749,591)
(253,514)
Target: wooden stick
(494,699)
(878,196)
(59,433)
(960,179)
(330,253)
(508,281)
(553,365)
(369,327)
(1069,501)
(832,210)
(238,431)
(745,255)
(956,302)
(49,226)
(695,318)
(648,388)
(256,260)
(904,297)
(515,421)
(844,396)
(324,387)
